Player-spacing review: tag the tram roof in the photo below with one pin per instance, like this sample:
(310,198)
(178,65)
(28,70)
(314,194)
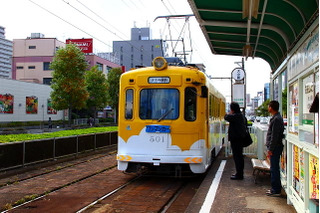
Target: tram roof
(271,33)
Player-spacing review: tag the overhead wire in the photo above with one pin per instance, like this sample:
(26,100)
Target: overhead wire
(79,27)
(101,18)
(68,22)
(105,27)
(192,43)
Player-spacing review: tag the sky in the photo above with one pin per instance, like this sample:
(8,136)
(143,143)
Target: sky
(111,20)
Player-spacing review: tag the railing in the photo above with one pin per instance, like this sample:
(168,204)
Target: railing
(83,121)
(19,154)
(257,148)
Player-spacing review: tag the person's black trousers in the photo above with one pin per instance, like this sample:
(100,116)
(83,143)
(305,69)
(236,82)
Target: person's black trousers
(237,151)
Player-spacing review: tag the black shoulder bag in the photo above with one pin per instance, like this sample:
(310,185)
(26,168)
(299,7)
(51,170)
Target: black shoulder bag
(247,141)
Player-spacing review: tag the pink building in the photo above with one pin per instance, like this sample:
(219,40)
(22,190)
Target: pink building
(32,57)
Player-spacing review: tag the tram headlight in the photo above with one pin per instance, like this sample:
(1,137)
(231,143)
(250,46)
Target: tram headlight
(159,63)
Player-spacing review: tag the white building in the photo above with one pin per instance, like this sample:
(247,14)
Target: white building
(24,101)
(5,55)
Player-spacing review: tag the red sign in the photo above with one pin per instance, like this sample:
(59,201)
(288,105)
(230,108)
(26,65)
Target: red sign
(84,44)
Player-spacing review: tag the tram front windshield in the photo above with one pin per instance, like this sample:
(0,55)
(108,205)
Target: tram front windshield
(160,104)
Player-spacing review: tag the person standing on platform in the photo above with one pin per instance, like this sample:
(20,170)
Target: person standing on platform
(236,134)
(275,146)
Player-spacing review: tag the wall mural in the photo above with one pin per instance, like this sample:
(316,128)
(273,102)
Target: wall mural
(32,105)
(6,104)
(50,110)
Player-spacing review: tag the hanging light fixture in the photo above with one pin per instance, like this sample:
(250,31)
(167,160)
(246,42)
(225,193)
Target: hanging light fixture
(248,5)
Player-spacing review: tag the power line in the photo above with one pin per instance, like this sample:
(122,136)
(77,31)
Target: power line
(104,28)
(91,19)
(100,18)
(69,23)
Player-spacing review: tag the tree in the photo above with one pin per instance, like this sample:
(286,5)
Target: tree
(68,82)
(97,88)
(113,81)
(262,110)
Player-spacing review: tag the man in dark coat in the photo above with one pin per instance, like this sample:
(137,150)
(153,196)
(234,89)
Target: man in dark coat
(275,146)
(236,134)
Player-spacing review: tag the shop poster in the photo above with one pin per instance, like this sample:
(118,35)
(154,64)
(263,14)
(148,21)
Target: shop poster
(313,177)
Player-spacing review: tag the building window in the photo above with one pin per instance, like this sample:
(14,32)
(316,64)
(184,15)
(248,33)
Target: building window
(31,67)
(121,49)
(46,66)
(19,67)
(32,47)
(100,66)
(131,48)
(47,81)
(152,48)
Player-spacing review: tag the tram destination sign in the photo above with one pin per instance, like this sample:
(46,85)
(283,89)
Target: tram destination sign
(158,129)
(159,80)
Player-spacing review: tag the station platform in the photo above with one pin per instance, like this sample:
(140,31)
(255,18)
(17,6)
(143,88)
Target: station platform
(219,194)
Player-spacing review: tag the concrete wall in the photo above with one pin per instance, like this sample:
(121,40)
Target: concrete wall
(20,90)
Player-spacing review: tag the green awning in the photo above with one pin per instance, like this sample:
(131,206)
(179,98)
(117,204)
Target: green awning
(268,30)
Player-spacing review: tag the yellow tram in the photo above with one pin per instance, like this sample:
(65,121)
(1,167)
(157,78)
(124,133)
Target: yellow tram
(169,117)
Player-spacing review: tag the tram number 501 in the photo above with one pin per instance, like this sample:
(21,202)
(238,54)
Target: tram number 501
(157,138)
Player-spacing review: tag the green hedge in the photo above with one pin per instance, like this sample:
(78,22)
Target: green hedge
(63,133)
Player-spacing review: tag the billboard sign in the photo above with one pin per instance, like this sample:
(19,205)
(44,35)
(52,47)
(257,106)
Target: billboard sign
(84,44)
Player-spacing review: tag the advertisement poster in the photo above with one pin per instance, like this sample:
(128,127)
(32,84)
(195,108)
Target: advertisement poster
(283,161)
(313,177)
(308,97)
(31,105)
(296,169)
(294,108)
(301,177)
(6,104)
(50,110)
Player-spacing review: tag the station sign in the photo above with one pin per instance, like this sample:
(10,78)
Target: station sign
(85,44)
(238,94)
(238,74)
(238,86)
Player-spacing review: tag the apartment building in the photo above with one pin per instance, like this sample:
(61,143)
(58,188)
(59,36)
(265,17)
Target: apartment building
(5,55)
(32,58)
(140,50)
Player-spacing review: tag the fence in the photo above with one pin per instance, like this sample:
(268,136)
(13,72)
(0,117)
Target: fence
(83,121)
(258,135)
(18,154)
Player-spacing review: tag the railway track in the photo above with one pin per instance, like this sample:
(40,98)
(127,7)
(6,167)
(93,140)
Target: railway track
(95,185)
(12,177)
(20,188)
(148,194)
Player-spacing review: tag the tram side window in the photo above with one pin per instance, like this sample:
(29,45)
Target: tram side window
(190,104)
(129,104)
